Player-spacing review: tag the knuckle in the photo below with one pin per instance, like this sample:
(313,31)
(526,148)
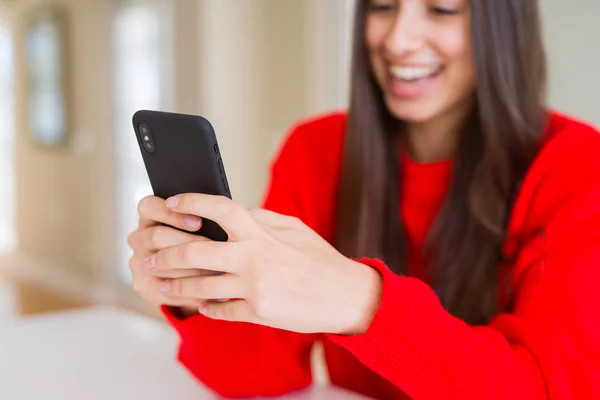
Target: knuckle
(188,253)
(197,285)
(257,267)
(261,290)
(134,264)
(188,201)
(156,236)
(262,303)
(232,214)
(294,221)
(176,287)
(233,257)
(225,206)
(131,263)
(194,303)
(143,206)
(131,240)
(235,214)
(225,211)
(224,199)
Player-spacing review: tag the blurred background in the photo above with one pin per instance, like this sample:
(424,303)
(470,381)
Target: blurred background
(72,73)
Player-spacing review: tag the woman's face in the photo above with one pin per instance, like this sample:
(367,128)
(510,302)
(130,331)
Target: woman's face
(420,53)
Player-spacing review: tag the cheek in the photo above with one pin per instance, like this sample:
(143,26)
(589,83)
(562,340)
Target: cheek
(375,32)
(375,36)
(456,49)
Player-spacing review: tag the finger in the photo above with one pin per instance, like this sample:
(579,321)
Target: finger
(235,220)
(149,287)
(234,310)
(207,255)
(152,209)
(160,237)
(178,302)
(147,241)
(183,273)
(144,223)
(225,286)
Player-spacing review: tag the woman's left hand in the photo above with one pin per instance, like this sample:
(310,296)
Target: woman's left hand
(277,271)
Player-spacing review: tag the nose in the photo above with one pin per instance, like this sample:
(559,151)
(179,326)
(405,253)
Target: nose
(407,32)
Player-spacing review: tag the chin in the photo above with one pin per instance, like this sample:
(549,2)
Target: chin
(411,111)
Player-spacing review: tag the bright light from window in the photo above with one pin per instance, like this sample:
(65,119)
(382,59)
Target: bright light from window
(8,237)
(142,46)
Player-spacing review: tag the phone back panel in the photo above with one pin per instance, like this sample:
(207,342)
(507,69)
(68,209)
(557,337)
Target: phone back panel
(186,159)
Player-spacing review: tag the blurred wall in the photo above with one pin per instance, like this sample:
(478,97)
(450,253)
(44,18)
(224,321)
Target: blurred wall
(266,64)
(572,31)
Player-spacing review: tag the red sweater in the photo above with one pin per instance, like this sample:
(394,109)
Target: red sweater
(548,346)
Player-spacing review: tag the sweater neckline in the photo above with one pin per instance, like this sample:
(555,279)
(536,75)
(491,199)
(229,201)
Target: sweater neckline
(426,173)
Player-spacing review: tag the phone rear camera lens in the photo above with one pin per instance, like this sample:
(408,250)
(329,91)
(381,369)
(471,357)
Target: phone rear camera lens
(146,137)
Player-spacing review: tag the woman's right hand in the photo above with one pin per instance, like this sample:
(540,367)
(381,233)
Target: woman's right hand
(153,235)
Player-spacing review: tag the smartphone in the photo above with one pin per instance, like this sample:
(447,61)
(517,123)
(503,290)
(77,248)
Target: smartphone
(181,155)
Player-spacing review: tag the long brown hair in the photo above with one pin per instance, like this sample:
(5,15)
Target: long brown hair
(499,142)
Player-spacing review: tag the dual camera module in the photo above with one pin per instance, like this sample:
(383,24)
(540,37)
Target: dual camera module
(146,137)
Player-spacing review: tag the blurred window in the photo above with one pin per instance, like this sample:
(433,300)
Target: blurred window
(142,34)
(8,238)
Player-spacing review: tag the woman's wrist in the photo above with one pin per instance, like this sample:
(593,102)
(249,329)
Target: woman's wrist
(366,299)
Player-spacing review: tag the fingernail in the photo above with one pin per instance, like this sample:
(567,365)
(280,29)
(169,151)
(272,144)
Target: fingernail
(166,287)
(172,202)
(151,261)
(192,221)
(202,310)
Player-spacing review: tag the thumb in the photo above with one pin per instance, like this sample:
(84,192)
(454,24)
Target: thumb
(232,310)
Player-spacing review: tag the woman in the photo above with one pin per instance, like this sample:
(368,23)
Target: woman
(478,210)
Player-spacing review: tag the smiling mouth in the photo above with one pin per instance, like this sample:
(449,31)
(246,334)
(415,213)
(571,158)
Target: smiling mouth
(412,74)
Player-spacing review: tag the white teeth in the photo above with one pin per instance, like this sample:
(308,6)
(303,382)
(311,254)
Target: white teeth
(413,73)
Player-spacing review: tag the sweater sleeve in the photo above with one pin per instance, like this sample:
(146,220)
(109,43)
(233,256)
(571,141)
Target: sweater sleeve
(546,347)
(240,359)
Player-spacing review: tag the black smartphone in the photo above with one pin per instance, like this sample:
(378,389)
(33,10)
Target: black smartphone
(181,155)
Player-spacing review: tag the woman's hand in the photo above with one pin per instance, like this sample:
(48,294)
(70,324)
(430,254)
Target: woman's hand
(151,236)
(278,271)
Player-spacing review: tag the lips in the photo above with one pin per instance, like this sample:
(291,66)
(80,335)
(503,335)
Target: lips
(413,82)
(414,73)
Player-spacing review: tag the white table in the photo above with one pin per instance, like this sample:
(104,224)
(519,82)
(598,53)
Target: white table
(101,353)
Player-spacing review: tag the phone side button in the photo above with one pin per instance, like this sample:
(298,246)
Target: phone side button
(225,183)
(216,148)
(221,167)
